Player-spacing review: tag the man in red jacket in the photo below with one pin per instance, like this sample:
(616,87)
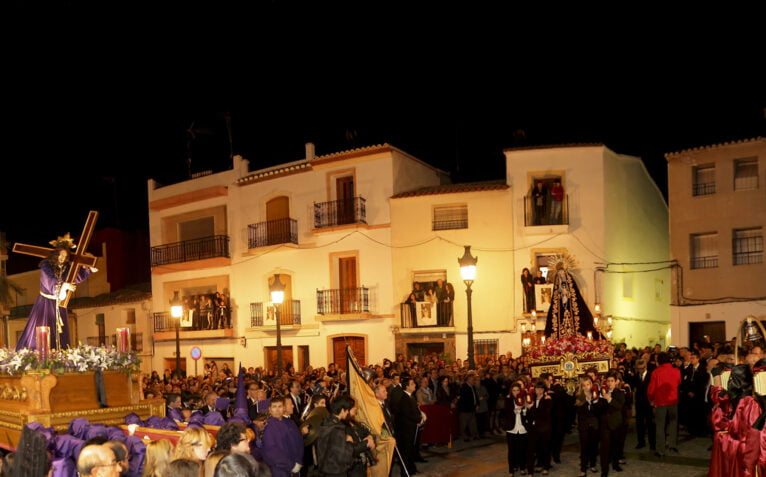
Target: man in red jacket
(663,394)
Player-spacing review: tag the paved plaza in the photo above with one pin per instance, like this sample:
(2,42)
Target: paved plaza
(487,457)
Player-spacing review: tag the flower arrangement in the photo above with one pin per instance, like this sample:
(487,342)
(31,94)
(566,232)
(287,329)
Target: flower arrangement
(59,361)
(575,344)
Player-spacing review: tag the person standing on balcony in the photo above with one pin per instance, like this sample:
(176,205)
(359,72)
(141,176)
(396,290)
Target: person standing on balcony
(448,303)
(539,198)
(441,300)
(557,194)
(528,285)
(207,319)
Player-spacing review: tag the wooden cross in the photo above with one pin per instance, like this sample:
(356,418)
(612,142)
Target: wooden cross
(78,258)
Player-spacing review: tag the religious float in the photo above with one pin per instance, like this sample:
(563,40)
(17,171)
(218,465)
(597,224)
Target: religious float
(47,381)
(102,385)
(574,339)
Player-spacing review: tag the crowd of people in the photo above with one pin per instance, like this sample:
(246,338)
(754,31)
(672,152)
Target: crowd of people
(305,423)
(207,311)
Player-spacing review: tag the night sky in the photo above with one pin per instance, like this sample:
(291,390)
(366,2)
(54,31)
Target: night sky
(91,110)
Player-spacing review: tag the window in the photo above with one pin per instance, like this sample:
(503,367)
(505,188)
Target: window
(748,246)
(450,217)
(703,180)
(746,174)
(484,350)
(197,228)
(704,250)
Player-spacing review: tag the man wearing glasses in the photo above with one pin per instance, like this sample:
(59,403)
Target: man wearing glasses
(231,437)
(97,461)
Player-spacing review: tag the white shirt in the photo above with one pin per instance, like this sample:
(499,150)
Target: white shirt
(519,427)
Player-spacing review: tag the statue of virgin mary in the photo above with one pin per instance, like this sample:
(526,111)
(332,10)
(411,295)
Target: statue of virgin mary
(568,314)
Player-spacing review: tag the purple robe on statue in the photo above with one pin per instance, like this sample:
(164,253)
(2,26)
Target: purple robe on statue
(44,309)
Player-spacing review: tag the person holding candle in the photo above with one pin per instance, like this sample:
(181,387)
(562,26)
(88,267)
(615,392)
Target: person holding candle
(47,309)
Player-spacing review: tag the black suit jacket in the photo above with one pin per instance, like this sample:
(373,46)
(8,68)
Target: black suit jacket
(469,399)
(613,414)
(510,415)
(699,382)
(394,395)
(407,418)
(639,393)
(389,417)
(540,416)
(589,416)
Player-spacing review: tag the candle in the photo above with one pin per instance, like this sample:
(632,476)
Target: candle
(523,327)
(43,337)
(542,338)
(123,340)
(598,308)
(590,335)
(595,321)
(609,319)
(534,315)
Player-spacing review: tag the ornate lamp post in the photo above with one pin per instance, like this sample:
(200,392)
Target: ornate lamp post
(176,311)
(277,289)
(468,274)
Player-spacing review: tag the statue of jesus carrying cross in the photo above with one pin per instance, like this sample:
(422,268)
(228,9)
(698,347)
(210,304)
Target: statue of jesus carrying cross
(64,266)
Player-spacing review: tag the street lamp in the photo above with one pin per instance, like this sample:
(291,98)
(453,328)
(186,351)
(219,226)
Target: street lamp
(176,311)
(468,273)
(277,289)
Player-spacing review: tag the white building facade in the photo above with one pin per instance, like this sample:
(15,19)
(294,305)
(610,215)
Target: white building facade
(613,222)
(323,224)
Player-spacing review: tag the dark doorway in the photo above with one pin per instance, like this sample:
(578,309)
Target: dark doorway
(271,357)
(419,351)
(715,330)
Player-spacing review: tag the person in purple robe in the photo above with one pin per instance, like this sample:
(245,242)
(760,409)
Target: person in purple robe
(282,442)
(46,310)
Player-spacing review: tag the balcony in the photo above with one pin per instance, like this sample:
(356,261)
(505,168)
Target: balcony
(165,328)
(339,212)
(703,188)
(272,232)
(340,301)
(704,262)
(423,314)
(191,250)
(748,258)
(262,314)
(534,216)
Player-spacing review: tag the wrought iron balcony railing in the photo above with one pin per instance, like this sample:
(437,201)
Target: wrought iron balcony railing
(340,212)
(164,322)
(748,258)
(262,314)
(272,232)
(704,188)
(423,314)
(189,250)
(338,301)
(705,262)
(550,213)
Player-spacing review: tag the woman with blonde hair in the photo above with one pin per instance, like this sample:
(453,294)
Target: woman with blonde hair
(195,443)
(158,455)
